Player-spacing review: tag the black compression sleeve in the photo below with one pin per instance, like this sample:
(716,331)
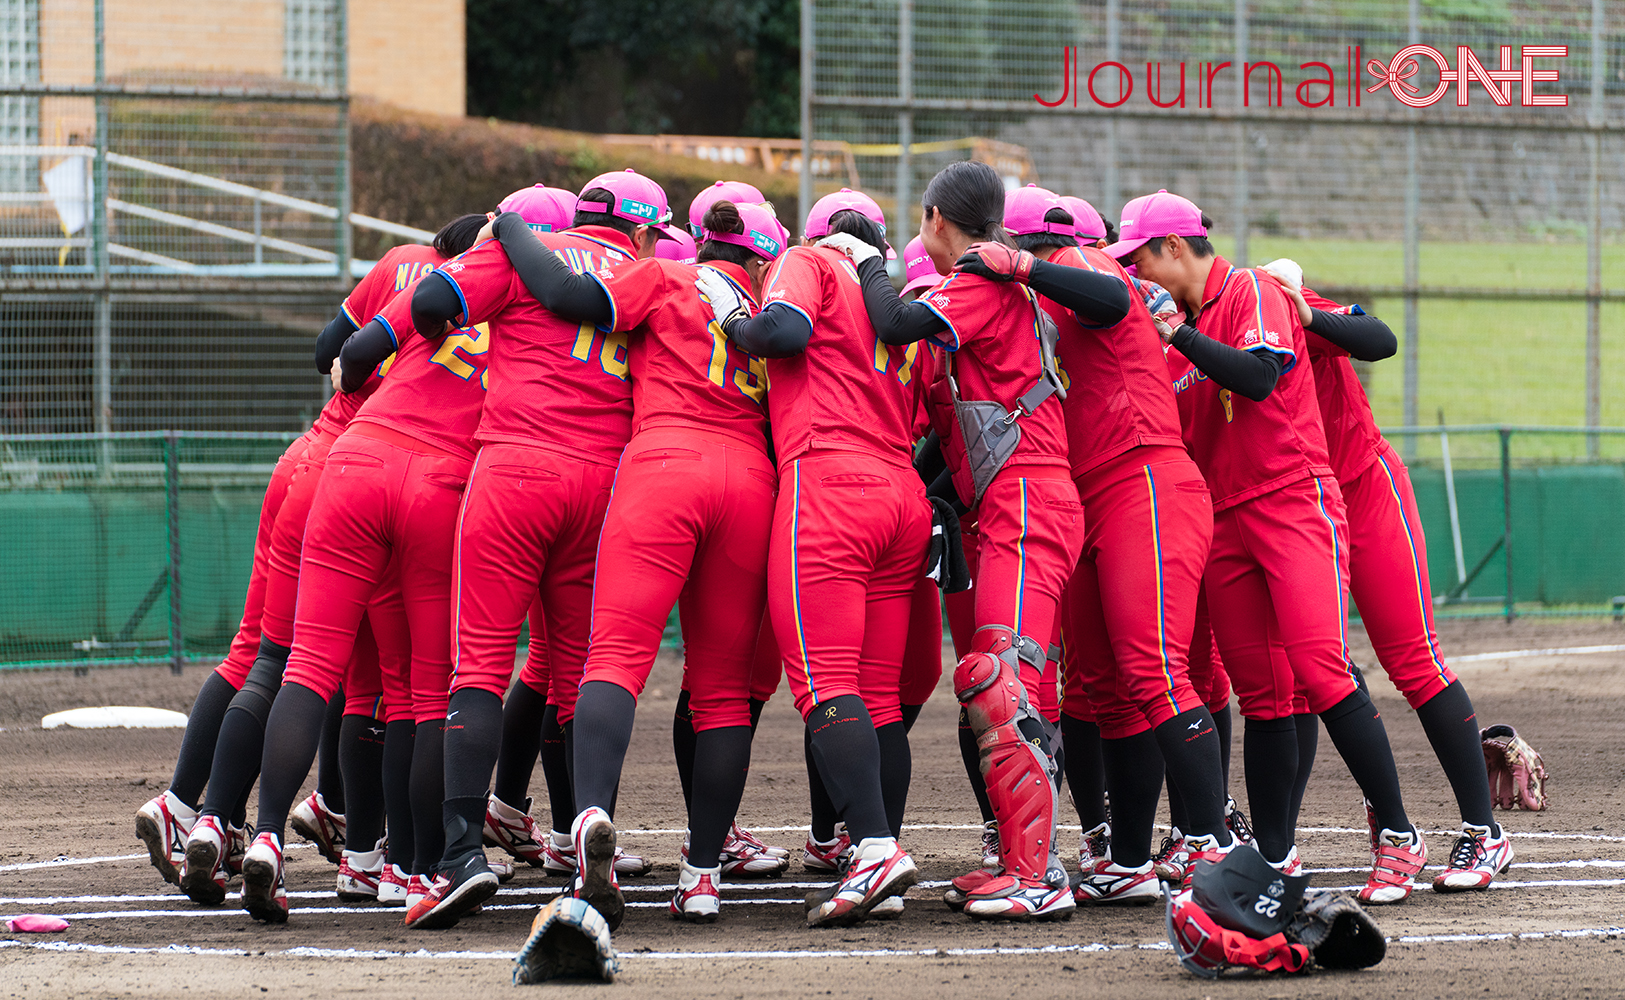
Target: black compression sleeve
(331,340)
(364,351)
(1364,337)
(895,321)
(560,290)
(928,460)
(1251,373)
(778,331)
(1099,299)
(434,302)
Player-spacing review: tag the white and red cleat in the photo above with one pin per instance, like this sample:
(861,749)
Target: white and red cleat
(1010,897)
(1289,865)
(699,897)
(878,868)
(1475,860)
(825,855)
(163,824)
(360,876)
(1105,882)
(392,884)
(265,896)
(596,883)
(1399,859)
(312,820)
(203,877)
(517,833)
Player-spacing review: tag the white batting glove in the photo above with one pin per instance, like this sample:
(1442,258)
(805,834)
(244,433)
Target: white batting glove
(850,245)
(716,291)
(1286,271)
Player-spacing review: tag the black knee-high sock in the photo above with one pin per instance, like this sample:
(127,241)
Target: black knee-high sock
(1085,773)
(1356,729)
(1452,727)
(428,792)
(473,736)
(721,765)
(824,816)
(361,757)
(399,737)
(911,715)
(242,734)
(682,748)
(1269,749)
(896,767)
(1308,743)
(1223,722)
(197,745)
(971,757)
(1134,781)
(556,771)
(1178,818)
(603,730)
(292,733)
(569,731)
(522,715)
(848,755)
(1057,752)
(329,772)
(1190,748)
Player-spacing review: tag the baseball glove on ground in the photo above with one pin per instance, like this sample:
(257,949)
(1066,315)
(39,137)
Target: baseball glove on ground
(568,940)
(1337,931)
(1517,775)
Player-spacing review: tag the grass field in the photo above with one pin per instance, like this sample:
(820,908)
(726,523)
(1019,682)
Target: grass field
(1481,361)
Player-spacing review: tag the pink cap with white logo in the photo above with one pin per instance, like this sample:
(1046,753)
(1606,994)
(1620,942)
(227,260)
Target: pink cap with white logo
(844,200)
(737,192)
(1025,208)
(544,209)
(680,249)
(1150,216)
(1086,222)
(763,233)
(920,273)
(636,198)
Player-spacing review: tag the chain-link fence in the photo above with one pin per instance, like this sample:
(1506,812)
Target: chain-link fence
(1485,233)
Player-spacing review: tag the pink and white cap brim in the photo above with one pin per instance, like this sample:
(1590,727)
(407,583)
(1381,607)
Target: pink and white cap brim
(1122,248)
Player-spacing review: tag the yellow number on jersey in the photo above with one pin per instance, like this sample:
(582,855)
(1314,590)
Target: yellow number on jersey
(905,370)
(752,381)
(473,342)
(1227,399)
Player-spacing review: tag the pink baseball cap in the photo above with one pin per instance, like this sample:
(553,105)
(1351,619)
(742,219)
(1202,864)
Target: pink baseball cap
(1150,216)
(680,249)
(919,272)
(763,232)
(843,200)
(1086,222)
(636,199)
(1025,208)
(737,192)
(544,209)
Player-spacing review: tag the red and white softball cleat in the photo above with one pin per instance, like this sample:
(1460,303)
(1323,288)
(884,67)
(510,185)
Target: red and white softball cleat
(502,868)
(417,887)
(1105,882)
(699,896)
(756,842)
(163,824)
(1291,864)
(825,855)
(594,836)
(516,832)
(203,877)
(958,892)
(1475,860)
(1009,897)
(392,882)
(1236,821)
(890,908)
(312,820)
(360,875)
(1399,859)
(879,868)
(454,893)
(1095,844)
(237,840)
(265,895)
(743,854)
(1203,848)
(1172,862)
(990,844)
(558,854)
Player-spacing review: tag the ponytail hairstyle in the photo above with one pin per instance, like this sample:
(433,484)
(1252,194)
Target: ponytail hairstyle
(723,217)
(855,223)
(456,236)
(1034,242)
(1111,231)
(969,194)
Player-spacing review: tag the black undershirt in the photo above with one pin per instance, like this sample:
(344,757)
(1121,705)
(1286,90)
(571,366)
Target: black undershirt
(1250,373)
(1366,338)
(560,290)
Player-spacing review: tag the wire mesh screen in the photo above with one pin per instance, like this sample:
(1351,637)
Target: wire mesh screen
(1311,160)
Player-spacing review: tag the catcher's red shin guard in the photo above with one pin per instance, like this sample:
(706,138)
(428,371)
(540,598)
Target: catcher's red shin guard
(1020,776)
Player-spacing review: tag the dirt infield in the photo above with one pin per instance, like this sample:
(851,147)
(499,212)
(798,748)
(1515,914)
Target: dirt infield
(72,795)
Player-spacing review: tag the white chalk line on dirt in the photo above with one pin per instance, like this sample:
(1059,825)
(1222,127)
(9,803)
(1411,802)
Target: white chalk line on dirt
(66,862)
(742,885)
(654,904)
(1519,654)
(1063,949)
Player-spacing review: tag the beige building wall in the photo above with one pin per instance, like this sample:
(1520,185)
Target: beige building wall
(405,52)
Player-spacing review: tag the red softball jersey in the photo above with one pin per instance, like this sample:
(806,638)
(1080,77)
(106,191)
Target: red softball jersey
(555,383)
(995,326)
(684,369)
(435,389)
(847,391)
(1247,449)
(399,269)
(1117,394)
(1352,437)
